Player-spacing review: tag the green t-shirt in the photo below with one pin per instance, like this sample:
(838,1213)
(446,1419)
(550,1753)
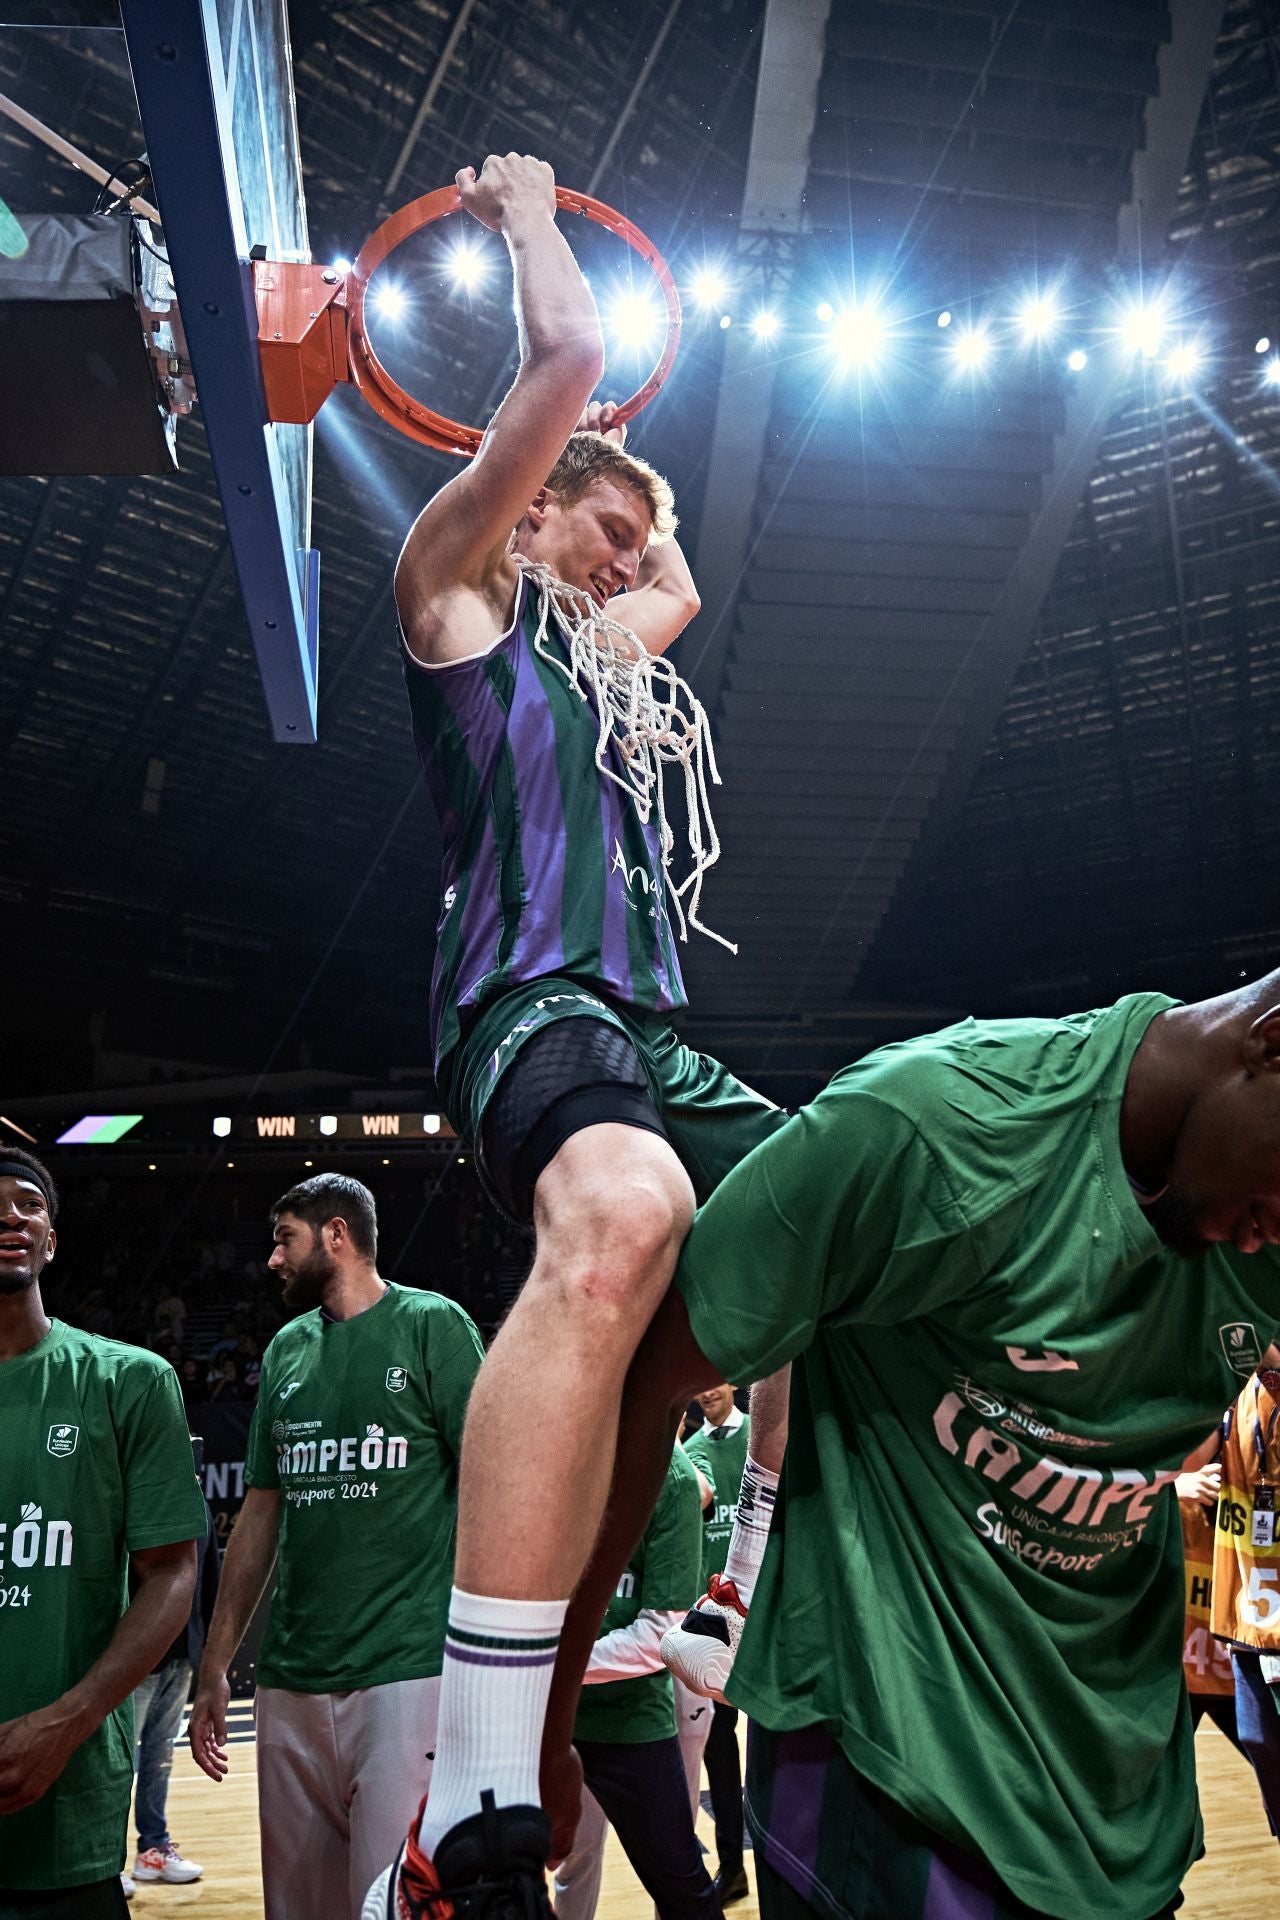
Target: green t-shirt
(662,1577)
(95,1464)
(974,1578)
(721,1456)
(359,1424)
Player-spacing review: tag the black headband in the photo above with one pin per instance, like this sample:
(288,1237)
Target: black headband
(19,1170)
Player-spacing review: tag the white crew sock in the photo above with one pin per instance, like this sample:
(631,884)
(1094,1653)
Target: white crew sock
(498,1660)
(751,1525)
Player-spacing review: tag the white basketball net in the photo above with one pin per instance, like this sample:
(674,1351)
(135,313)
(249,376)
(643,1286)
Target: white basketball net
(655,717)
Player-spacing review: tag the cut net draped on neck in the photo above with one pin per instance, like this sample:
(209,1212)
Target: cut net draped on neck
(656,719)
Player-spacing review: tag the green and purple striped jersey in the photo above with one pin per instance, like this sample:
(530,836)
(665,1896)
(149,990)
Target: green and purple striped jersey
(548,868)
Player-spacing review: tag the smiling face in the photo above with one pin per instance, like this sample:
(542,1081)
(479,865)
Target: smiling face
(597,543)
(302,1261)
(27,1238)
(717,1404)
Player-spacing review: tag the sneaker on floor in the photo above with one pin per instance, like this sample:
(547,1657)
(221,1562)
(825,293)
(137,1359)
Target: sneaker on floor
(127,1887)
(167,1864)
(700,1650)
(491,1866)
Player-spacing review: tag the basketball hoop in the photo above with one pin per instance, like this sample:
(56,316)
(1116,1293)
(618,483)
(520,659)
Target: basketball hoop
(422,423)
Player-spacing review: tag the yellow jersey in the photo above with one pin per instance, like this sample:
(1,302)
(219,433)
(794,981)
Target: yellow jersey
(1246,1560)
(1205,1661)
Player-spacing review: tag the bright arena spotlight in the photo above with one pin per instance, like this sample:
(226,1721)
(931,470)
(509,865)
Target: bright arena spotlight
(1262,344)
(390,301)
(825,312)
(971,349)
(709,288)
(467,266)
(765,324)
(1271,372)
(1039,316)
(1185,360)
(1143,326)
(634,321)
(342,265)
(1077,359)
(860,335)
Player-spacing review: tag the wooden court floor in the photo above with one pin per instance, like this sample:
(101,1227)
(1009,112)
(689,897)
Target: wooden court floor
(1238,1880)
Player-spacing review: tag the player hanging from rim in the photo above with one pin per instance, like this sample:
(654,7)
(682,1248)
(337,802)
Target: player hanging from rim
(544,729)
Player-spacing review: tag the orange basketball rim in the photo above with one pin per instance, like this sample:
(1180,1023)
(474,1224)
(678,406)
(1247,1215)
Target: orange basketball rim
(312,332)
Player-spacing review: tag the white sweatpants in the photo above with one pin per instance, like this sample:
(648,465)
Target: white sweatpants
(340,1776)
(576,1892)
(693,1725)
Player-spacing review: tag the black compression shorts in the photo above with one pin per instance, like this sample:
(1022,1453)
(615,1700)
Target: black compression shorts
(573,1074)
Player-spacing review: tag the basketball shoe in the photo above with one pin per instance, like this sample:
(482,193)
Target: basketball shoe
(700,1651)
(165,1863)
(491,1866)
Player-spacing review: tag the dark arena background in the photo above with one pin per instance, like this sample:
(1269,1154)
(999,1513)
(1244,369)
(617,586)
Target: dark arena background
(974,432)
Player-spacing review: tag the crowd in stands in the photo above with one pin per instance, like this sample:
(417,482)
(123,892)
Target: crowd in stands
(177,1261)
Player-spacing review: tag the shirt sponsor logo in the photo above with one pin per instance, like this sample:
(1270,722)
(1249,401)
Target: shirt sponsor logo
(397,1379)
(450,899)
(636,876)
(62,1441)
(292,1388)
(1240,1345)
(1017,1416)
(636,879)
(979,1399)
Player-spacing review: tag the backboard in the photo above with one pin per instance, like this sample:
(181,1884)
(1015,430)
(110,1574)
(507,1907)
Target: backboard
(215,93)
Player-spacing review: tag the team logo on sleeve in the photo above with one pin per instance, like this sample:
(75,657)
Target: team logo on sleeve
(1240,1345)
(290,1389)
(62,1441)
(397,1379)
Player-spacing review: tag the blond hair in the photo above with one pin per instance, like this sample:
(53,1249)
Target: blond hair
(589,457)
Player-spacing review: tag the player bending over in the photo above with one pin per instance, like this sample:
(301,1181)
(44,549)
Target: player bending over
(1019,1266)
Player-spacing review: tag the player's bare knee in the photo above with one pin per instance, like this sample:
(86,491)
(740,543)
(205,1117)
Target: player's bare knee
(610,1247)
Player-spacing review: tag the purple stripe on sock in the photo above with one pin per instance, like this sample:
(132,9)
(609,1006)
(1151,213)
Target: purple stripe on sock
(475,1659)
(950,1896)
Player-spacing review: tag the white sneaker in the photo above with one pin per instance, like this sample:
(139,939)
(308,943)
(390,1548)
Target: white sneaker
(127,1887)
(701,1649)
(167,1864)
(377,1902)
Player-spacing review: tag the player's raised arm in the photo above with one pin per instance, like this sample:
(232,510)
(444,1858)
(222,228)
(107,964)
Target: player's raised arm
(660,598)
(461,536)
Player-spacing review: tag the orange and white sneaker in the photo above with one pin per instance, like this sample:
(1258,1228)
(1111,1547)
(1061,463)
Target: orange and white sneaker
(700,1651)
(491,1866)
(167,1864)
